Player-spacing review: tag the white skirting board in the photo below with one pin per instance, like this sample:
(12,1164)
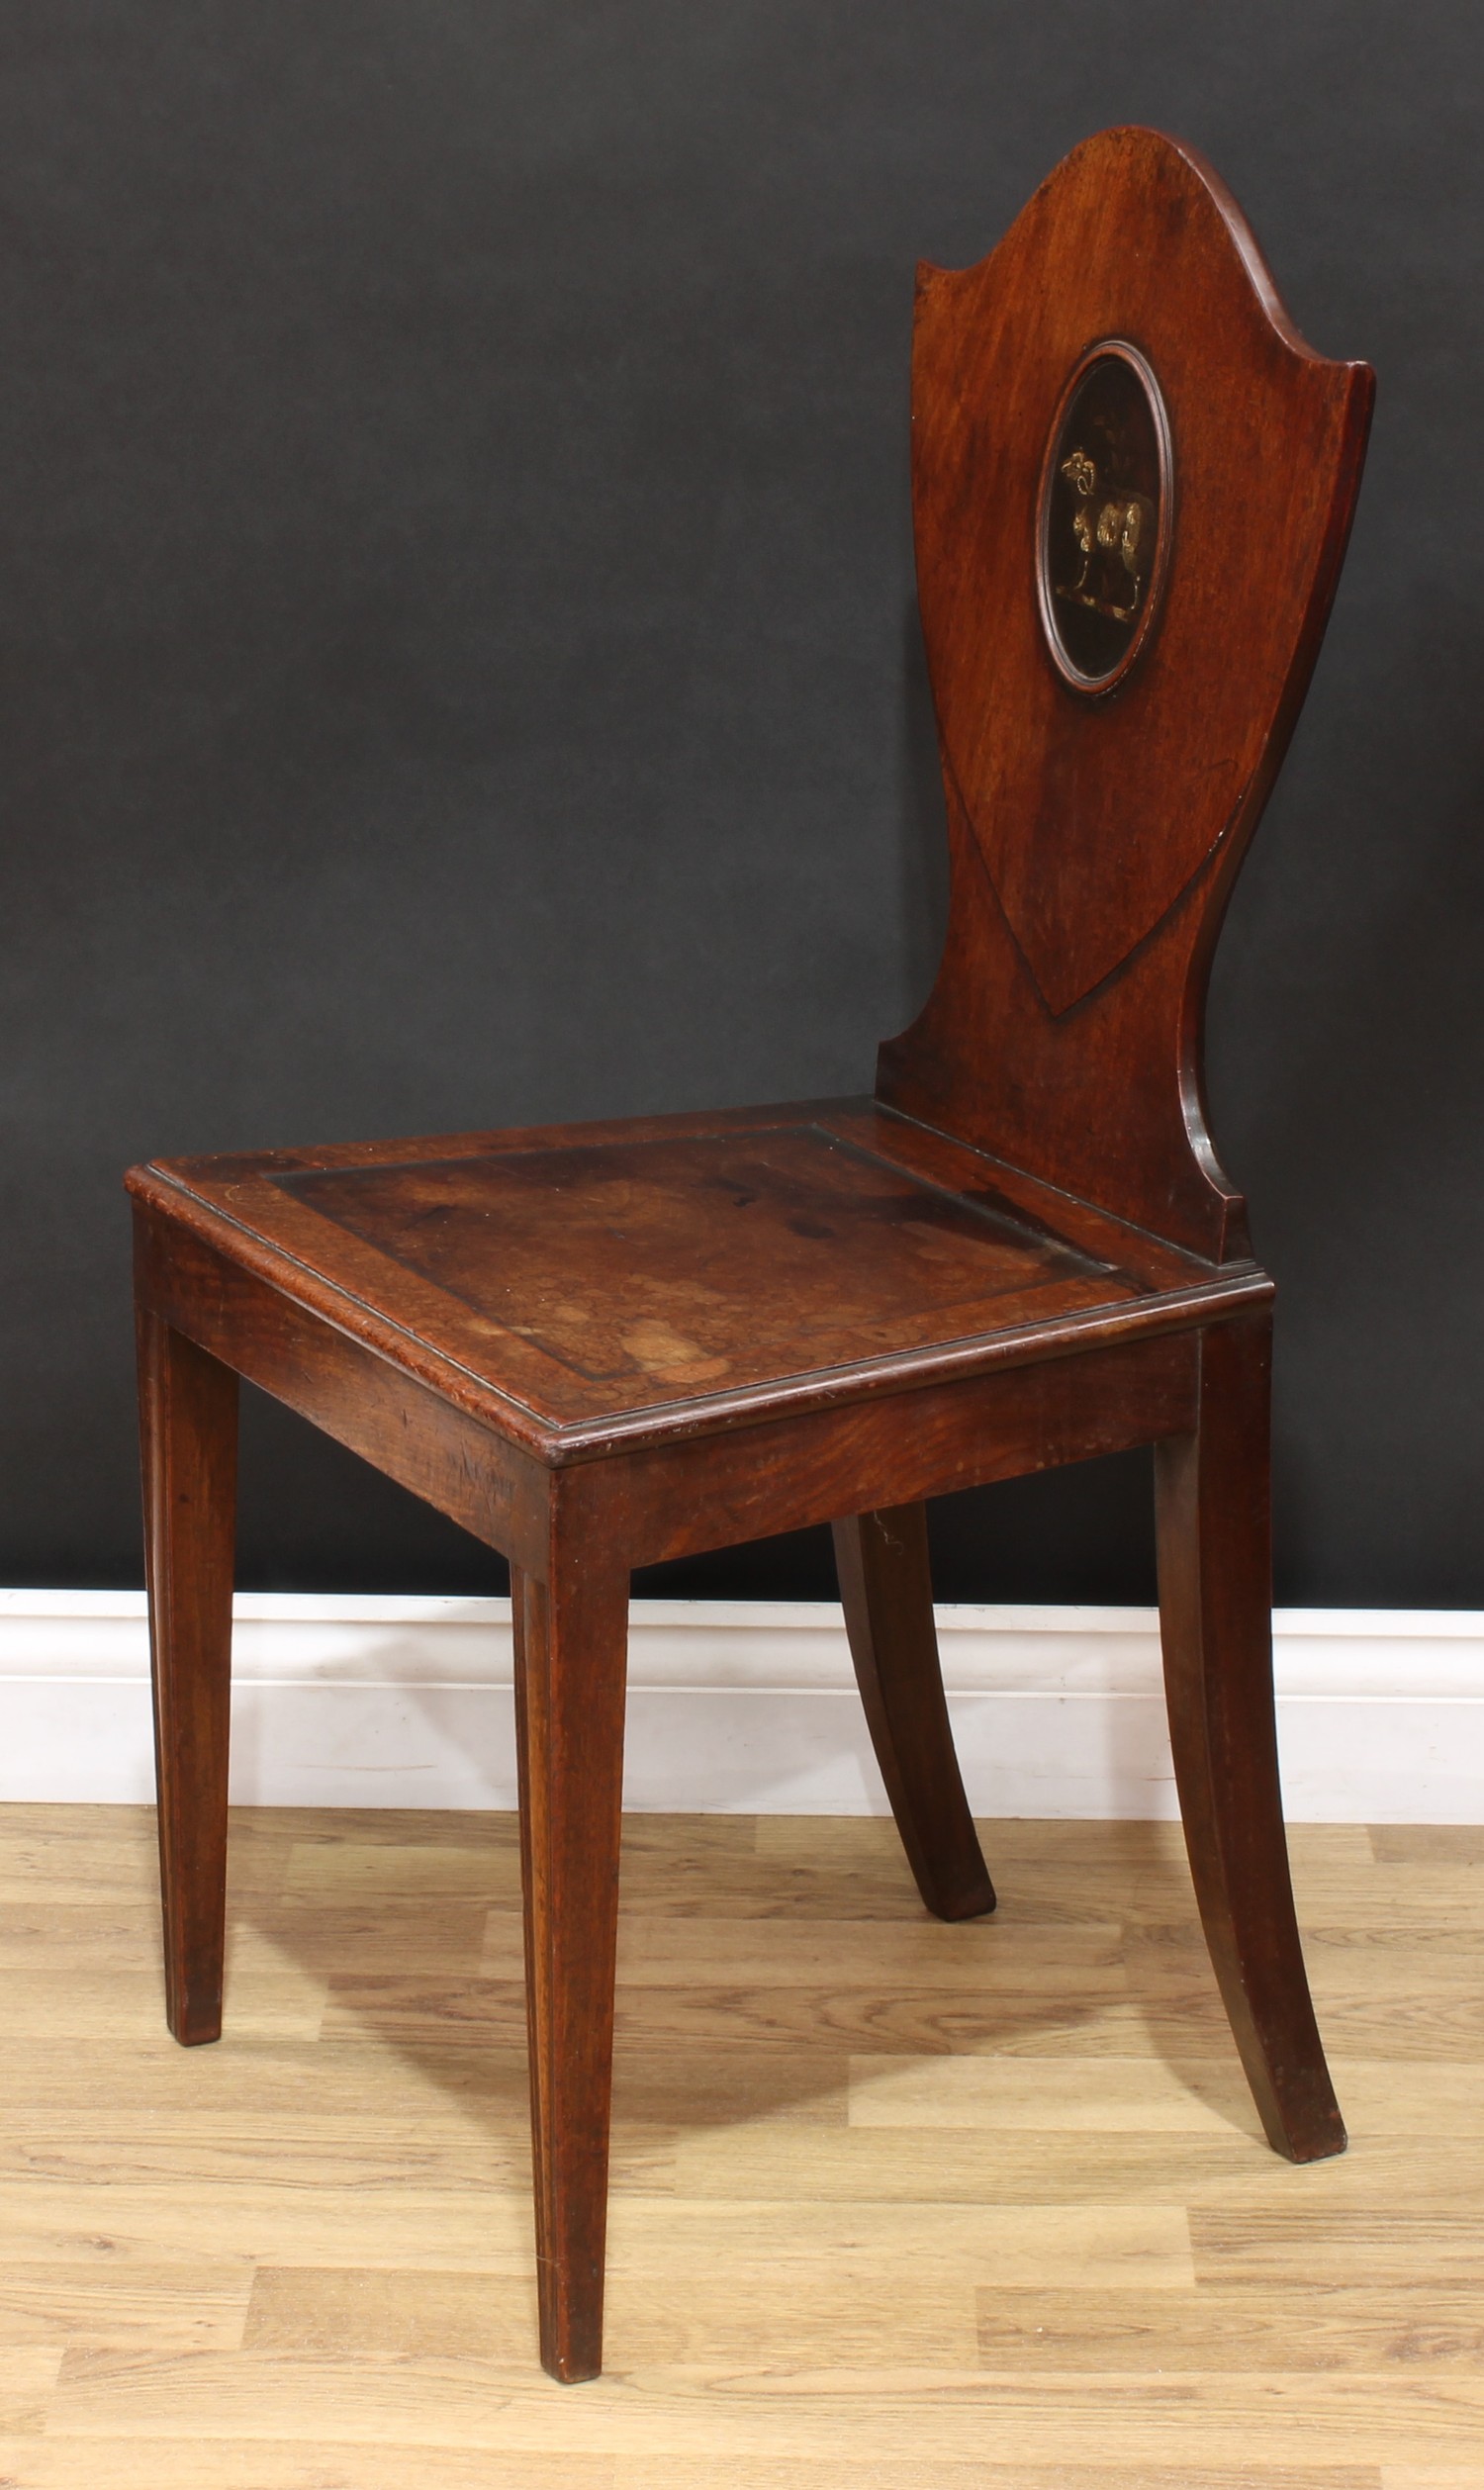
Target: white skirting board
(740,1707)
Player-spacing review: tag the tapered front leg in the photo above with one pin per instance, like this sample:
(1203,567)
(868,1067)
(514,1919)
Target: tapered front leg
(188,1438)
(571,1648)
(1213,1491)
(887,1589)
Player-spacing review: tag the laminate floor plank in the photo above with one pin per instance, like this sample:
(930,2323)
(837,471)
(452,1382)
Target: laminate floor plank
(715,2318)
(1135,2095)
(175,2464)
(40,1936)
(895,2205)
(320,1936)
(1208,2175)
(1427,1845)
(1278,2245)
(1217,2327)
(269,1997)
(193,2304)
(798,2411)
(485,1872)
(1051,2011)
(689,1953)
(28,2372)
(723,2474)
(308,2152)
(1432,2477)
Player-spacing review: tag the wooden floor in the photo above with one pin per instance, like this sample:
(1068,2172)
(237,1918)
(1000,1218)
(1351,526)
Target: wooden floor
(897,2206)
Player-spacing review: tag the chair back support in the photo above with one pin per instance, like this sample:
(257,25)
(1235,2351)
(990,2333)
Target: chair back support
(1133,484)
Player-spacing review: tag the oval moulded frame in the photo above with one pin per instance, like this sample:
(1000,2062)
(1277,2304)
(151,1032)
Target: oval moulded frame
(1105,350)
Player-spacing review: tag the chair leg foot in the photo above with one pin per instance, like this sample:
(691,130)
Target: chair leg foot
(571,1645)
(1213,1498)
(188,1434)
(885,1586)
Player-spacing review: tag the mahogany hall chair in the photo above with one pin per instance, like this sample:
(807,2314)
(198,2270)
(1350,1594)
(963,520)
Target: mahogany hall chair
(600,1345)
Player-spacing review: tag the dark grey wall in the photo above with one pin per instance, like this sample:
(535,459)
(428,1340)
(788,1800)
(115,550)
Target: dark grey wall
(456,665)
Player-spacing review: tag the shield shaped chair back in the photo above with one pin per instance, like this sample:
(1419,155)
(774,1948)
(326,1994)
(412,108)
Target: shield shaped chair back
(1133,483)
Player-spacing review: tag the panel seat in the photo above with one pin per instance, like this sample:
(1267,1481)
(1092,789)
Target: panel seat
(634,1277)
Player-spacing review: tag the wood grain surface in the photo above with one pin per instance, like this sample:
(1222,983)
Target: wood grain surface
(625,1283)
(1095,839)
(607,1345)
(895,2203)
